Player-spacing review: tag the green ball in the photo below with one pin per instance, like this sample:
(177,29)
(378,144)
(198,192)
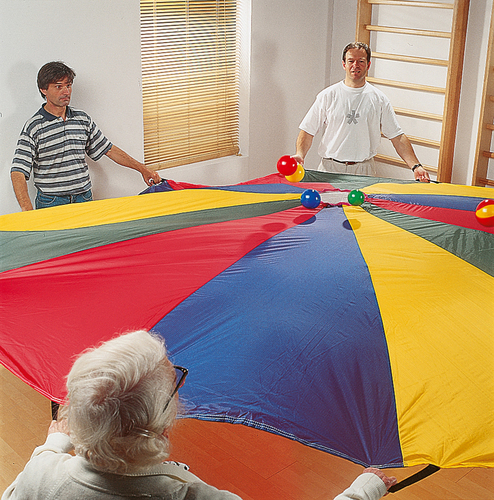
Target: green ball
(356,197)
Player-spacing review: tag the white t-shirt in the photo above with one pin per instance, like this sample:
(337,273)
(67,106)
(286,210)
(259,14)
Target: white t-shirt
(351,121)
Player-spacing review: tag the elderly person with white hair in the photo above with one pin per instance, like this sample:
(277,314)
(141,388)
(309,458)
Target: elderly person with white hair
(122,402)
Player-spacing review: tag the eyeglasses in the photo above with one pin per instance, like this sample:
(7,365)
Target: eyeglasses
(180,376)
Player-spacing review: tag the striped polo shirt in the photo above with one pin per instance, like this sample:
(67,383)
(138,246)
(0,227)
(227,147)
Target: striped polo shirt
(54,150)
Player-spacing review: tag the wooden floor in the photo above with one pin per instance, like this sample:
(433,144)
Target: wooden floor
(253,464)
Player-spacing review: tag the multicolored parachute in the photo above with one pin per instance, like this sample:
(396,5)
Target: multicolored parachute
(364,331)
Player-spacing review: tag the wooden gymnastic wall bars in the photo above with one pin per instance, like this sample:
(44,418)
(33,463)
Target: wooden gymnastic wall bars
(453,62)
(484,150)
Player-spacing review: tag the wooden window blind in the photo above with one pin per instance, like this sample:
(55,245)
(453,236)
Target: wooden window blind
(190,80)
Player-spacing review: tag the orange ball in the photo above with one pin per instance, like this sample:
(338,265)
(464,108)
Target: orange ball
(297,176)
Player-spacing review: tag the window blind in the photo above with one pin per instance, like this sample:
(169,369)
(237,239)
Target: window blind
(190,80)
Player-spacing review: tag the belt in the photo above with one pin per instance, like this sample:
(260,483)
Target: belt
(344,162)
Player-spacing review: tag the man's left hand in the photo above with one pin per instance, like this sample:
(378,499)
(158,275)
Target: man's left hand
(421,174)
(150,177)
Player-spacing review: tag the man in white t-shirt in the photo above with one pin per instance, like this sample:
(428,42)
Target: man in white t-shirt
(351,115)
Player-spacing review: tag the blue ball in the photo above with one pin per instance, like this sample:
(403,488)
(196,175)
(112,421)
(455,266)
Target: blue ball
(310,198)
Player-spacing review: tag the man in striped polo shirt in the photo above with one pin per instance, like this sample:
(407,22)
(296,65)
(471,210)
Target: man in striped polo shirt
(53,145)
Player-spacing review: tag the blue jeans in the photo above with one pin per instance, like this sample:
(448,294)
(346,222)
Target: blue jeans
(49,200)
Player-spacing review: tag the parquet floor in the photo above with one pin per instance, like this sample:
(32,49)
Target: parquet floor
(254,464)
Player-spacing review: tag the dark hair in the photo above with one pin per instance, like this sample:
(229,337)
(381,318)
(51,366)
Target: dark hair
(53,72)
(357,45)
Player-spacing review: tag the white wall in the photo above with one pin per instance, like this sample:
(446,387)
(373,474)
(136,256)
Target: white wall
(344,21)
(100,40)
(293,50)
(472,87)
(289,61)
(107,85)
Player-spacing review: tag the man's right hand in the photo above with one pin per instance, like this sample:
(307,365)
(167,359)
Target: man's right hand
(20,189)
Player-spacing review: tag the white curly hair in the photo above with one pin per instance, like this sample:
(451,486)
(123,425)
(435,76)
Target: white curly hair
(116,396)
